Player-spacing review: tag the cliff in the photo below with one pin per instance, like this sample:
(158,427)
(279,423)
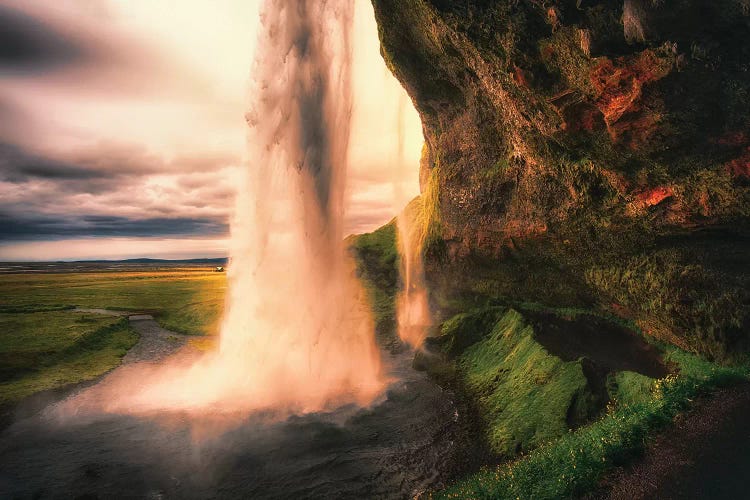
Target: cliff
(585,153)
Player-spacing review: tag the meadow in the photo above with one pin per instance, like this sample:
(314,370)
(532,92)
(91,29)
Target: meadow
(45,344)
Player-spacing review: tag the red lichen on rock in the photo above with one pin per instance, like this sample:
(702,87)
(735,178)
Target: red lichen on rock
(649,197)
(519,76)
(653,196)
(619,89)
(740,167)
(553,17)
(582,116)
(577,114)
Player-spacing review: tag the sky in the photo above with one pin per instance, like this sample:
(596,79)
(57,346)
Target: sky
(122,127)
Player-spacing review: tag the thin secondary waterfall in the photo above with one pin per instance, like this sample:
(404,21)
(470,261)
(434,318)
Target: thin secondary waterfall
(413,316)
(412,306)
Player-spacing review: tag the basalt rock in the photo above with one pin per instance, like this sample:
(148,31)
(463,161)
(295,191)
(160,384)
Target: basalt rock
(599,127)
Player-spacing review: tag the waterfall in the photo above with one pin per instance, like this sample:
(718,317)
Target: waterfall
(296,317)
(297,333)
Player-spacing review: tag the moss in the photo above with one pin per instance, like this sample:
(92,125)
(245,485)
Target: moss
(629,388)
(623,159)
(680,302)
(543,121)
(562,54)
(48,350)
(377,259)
(574,464)
(525,395)
(431,238)
(465,329)
(497,170)
(712,193)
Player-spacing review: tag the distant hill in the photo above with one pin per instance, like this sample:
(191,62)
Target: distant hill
(217,261)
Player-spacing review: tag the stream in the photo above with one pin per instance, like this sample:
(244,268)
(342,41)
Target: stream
(397,448)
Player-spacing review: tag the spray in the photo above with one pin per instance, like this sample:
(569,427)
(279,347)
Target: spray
(297,334)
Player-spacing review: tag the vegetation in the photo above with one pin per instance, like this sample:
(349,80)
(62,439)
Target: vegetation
(50,349)
(562,155)
(186,300)
(376,255)
(525,395)
(575,463)
(45,344)
(565,422)
(671,295)
(426,217)
(578,170)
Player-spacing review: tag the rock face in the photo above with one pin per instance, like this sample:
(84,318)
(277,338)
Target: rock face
(536,110)
(594,126)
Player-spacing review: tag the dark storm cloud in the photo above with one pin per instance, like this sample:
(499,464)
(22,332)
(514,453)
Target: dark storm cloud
(107,162)
(29,45)
(70,49)
(40,227)
(18,165)
(45,197)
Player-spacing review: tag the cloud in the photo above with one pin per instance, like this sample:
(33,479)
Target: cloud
(101,161)
(18,165)
(38,227)
(112,190)
(75,43)
(126,118)
(27,44)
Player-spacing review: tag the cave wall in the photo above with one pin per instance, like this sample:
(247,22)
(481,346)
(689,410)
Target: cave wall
(536,112)
(606,129)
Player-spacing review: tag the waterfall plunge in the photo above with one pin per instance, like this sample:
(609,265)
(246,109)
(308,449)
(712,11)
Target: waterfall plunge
(297,334)
(297,321)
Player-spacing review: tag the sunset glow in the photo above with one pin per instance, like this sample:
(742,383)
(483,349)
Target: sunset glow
(122,131)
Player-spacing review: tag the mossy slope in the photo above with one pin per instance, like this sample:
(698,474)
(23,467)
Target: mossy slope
(526,395)
(376,256)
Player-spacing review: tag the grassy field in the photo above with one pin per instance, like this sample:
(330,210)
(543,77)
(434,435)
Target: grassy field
(51,349)
(184,300)
(377,267)
(45,344)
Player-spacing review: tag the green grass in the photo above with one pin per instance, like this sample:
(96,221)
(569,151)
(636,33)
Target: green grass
(376,255)
(45,345)
(186,301)
(526,395)
(575,463)
(523,394)
(628,388)
(50,349)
